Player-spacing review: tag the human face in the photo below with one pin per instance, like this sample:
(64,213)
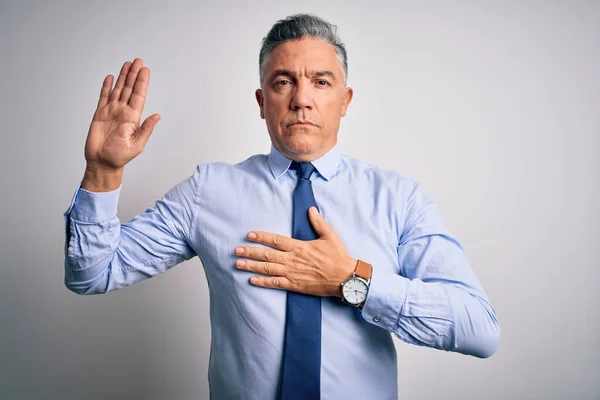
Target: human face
(303,98)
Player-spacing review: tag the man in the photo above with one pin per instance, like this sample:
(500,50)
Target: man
(312,258)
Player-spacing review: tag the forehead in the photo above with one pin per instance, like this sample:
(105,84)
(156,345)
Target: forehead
(304,54)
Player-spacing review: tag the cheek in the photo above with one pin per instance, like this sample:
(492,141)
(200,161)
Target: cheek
(271,113)
(333,112)
(274,109)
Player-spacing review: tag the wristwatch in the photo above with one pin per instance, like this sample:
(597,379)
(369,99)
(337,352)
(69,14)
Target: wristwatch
(355,288)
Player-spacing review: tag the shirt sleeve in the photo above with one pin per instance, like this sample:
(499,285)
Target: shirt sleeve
(435,300)
(102,254)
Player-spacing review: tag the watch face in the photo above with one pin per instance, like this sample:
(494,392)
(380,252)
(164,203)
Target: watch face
(355,291)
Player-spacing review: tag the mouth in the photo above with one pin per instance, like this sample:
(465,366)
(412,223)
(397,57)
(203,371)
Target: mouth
(303,123)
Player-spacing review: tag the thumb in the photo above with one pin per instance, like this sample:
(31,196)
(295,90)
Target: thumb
(321,226)
(145,130)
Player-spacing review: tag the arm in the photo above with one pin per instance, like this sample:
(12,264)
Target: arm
(436,299)
(101,254)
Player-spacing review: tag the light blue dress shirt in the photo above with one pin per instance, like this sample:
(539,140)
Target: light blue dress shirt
(423,289)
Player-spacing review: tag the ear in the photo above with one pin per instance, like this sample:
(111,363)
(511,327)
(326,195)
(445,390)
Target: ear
(346,99)
(261,102)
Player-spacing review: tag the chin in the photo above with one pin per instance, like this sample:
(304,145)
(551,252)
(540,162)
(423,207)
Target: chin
(300,143)
(301,146)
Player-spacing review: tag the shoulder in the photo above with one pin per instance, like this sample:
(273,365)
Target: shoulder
(219,169)
(360,171)
(388,187)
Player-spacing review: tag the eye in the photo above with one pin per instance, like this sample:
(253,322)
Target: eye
(283,82)
(322,82)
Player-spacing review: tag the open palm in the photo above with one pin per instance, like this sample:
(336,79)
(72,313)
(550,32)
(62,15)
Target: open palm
(116,136)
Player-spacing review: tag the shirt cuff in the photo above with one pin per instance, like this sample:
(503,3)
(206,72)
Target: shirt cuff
(93,207)
(385,299)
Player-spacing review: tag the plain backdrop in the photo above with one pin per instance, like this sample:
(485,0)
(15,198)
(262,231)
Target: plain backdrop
(493,106)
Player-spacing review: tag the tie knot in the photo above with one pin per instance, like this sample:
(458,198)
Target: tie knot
(305,169)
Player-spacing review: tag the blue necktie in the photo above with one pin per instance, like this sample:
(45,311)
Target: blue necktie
(302,349)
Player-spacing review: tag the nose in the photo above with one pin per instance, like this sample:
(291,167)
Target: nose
(302,96)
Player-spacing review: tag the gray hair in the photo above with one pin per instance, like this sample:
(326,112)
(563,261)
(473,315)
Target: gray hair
(296,27)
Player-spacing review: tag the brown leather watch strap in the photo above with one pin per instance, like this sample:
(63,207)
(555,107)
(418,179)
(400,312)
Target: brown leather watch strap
(363,270)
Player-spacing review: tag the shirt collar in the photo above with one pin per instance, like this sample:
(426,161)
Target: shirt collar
(326,165)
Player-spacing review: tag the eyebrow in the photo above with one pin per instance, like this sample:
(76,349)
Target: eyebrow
(291,74)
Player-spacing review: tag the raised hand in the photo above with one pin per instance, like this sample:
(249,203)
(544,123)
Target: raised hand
(116,136)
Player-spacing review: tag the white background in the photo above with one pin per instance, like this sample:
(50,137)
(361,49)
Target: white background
(493,106)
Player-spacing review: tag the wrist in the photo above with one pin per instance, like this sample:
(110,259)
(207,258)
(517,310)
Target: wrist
(98,178)
(346,273)
(355,289)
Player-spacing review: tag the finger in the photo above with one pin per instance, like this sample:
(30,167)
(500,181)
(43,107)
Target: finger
(275,240)
(116,93)
(145,130)
(322,228)
(265,268)
(270,255)
(130,80)
(140,90)
(105,91)
(275,282)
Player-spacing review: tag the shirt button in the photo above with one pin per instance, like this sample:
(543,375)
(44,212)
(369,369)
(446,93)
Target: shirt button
(377,318)
(70,249)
